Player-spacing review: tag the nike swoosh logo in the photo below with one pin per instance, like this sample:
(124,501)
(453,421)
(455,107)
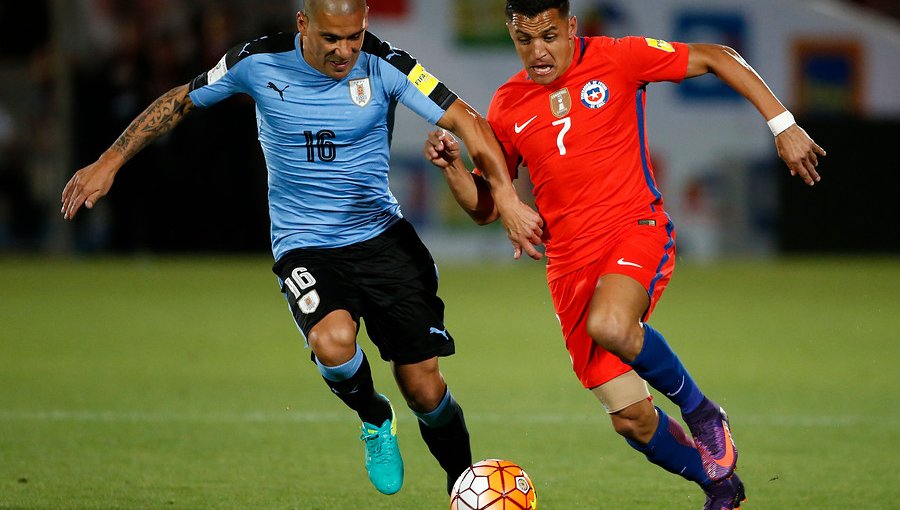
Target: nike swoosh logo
(521,128)
(678,390)
(728,456)
(623,262)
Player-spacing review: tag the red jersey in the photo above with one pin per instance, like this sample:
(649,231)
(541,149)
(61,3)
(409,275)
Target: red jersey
(584,141)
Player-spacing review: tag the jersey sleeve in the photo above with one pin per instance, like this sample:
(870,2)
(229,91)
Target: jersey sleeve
(407,81)
(221,81)
(648,60)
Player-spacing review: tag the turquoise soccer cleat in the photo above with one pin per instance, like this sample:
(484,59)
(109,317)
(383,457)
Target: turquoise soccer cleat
(383,461)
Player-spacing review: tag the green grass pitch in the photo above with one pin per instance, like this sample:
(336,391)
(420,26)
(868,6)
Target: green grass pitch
(183,384)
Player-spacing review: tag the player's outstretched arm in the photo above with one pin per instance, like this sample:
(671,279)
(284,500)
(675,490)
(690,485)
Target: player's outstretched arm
(523,225)
(92,182)
(469,190)
(799,152)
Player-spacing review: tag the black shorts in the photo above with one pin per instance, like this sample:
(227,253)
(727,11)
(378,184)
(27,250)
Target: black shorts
(390,281)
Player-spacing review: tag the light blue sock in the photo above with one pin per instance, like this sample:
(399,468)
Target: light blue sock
(440,415)
(352,383)
(343,371)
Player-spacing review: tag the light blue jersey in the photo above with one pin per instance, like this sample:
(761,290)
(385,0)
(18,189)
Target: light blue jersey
(325,141)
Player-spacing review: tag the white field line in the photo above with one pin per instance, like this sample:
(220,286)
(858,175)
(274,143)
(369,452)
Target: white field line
(293,416)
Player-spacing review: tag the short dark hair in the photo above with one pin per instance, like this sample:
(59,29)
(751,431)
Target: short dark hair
(531,8)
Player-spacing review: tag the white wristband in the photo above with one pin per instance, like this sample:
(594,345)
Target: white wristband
(781,122)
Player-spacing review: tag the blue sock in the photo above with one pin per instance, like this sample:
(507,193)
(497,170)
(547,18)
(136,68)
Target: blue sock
(440,415)
(444,431)
(671,449)
(352,383)
(662,369)
(343,371)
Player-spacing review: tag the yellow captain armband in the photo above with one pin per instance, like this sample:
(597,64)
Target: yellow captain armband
(423,80)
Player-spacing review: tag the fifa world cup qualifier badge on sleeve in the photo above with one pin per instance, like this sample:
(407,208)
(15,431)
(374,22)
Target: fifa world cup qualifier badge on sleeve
(660,44)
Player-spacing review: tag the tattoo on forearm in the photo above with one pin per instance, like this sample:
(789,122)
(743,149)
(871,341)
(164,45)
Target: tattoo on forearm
(158,119)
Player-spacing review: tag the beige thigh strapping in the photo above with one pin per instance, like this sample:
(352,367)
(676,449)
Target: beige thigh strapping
(621,392)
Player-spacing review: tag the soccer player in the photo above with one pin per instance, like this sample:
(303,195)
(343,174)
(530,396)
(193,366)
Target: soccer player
(575,117)
(342,249)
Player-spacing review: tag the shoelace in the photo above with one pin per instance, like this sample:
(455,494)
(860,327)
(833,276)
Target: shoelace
(373,448)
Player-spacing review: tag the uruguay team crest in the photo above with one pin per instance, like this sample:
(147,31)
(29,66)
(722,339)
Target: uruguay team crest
(309,302)
(360,91)
(594,94)
(560,103)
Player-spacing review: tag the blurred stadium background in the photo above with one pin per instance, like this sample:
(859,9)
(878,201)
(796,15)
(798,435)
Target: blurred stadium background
(73,73)
(147,360)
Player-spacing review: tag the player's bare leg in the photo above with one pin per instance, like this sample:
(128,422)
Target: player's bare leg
(333,339)
(440,417)
(346,370)
(648,429)
(614,322)
(614,317)
(663,441)
(344,366)
(636,422)
(421,384)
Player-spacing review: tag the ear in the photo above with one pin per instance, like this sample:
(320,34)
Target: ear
(366,19)
(573,27)
(302,22)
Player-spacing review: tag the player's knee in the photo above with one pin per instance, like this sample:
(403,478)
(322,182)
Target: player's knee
(614,334)
(422,391)
(424,398)
(334,344)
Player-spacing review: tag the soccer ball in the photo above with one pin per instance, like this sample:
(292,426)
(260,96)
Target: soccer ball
(493,484)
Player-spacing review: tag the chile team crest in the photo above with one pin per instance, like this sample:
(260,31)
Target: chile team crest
(594,94)
(360,91)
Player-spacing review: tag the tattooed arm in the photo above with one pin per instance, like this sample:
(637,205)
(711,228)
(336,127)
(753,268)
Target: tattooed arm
(93,181)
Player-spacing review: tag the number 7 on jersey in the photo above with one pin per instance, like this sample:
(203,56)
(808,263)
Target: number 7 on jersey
(566,124)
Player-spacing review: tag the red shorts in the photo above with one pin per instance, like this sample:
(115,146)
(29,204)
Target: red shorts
(643,252)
